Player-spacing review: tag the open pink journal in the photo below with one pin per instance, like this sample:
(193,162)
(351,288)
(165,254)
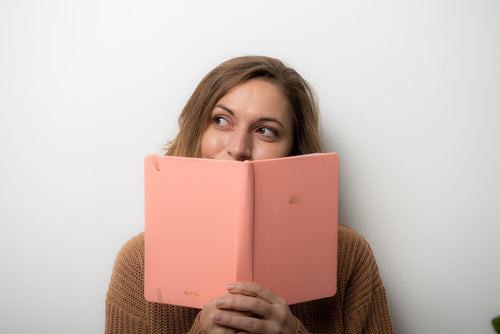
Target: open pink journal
(212,222)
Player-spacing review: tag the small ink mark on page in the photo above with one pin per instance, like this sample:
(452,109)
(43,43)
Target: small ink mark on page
(294,199)
(155,163)
(158,295)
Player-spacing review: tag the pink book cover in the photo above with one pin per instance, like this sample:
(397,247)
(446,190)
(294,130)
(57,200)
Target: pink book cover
(212,222)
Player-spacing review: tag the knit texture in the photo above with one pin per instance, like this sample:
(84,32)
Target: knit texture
(360,305)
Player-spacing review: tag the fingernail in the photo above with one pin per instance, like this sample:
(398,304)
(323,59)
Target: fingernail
(230,286)
(217,317)
(219,302)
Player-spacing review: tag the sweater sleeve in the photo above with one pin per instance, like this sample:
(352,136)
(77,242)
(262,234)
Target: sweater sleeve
(360,305)
(127,311)
(365,303)
(300,328)
(125,304)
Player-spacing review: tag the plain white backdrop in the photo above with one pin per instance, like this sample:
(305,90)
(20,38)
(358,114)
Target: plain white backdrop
(410,99)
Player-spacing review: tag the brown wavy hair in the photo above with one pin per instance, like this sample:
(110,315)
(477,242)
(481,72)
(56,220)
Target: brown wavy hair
(196,115)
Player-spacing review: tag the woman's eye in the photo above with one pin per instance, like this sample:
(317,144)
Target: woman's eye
(220,121)
(268,132)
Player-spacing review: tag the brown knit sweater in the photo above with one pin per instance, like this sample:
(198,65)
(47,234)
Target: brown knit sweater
(360,305)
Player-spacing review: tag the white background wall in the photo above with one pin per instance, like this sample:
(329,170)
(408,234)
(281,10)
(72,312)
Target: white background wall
(410,99)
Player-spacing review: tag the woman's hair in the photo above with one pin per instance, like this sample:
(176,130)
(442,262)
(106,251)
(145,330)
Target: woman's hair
(197,114)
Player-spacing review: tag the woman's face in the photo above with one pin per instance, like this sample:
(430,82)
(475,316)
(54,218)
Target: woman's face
(252,121)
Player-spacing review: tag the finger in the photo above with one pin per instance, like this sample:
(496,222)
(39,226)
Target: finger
(223,330)
(254,290)
(234,312)
(239,323)
(243,303)
(218,303)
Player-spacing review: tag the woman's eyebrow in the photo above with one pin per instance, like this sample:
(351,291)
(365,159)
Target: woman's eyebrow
(225,108)
(262,119)
(270,119)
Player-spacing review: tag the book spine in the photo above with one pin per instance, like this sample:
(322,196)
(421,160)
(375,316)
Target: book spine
(244,237)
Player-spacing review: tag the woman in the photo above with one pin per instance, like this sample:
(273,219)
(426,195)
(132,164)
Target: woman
(252,108)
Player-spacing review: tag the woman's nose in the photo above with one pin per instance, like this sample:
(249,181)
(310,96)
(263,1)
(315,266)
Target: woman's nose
(240,145)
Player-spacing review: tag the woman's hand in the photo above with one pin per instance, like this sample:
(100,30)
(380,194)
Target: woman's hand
(248,308)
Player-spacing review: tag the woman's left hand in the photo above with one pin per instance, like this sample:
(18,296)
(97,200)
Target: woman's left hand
(269,312)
